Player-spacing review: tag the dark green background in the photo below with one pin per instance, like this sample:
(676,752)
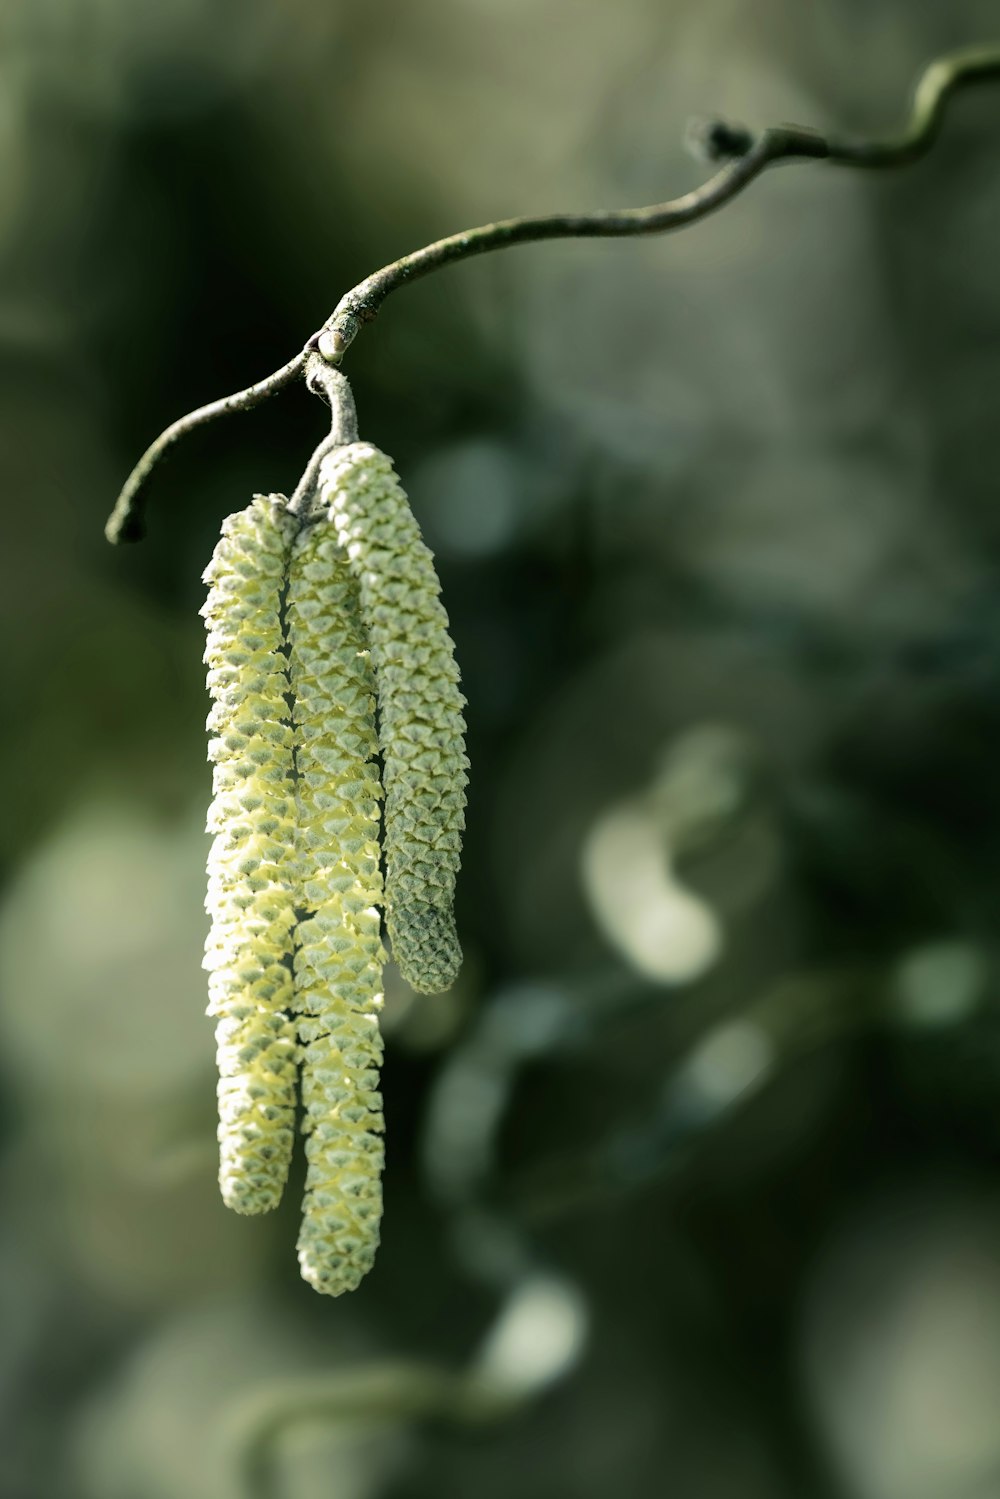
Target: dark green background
(717,529)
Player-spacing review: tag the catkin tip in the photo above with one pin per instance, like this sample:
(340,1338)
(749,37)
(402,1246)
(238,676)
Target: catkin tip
(425,946)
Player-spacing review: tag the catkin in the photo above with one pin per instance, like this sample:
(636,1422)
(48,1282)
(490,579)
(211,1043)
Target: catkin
(251,866)
(338,963)
(421,726)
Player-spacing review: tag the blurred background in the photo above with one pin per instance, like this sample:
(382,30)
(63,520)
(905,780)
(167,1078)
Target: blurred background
(693,1178)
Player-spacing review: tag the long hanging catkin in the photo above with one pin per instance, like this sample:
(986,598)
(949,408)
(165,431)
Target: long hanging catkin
(421,726)
(338,964)
(251,866)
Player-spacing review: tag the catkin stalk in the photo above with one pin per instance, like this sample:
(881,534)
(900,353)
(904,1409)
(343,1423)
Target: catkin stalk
(251,866)
(421,725)
(338,963)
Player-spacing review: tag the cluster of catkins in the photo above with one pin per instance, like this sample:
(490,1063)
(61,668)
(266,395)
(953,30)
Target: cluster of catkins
(328,652)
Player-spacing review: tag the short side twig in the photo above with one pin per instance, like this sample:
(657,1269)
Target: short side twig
(332,385)
(126,521)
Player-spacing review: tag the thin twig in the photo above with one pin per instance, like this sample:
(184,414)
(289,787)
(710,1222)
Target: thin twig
(750,155)
(125,522)
(326,381)
(935,86)
(361,304)
(745,155)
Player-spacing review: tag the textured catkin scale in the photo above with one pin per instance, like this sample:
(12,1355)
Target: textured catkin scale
(251,866)
(338,963)
(421,725)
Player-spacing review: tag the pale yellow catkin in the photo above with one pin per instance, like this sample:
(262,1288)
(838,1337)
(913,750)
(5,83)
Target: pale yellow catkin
(338,962)
(421,725)
(251,866)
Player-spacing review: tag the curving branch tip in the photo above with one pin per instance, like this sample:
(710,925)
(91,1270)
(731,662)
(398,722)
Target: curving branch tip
(124,524)
(715,140)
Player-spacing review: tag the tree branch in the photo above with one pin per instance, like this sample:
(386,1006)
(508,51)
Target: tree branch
(745,155)
(327,382)
(125,522)
(750,155)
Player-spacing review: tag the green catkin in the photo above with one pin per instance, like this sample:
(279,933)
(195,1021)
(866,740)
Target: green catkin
(338,963)
(421,726)
(251,866)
